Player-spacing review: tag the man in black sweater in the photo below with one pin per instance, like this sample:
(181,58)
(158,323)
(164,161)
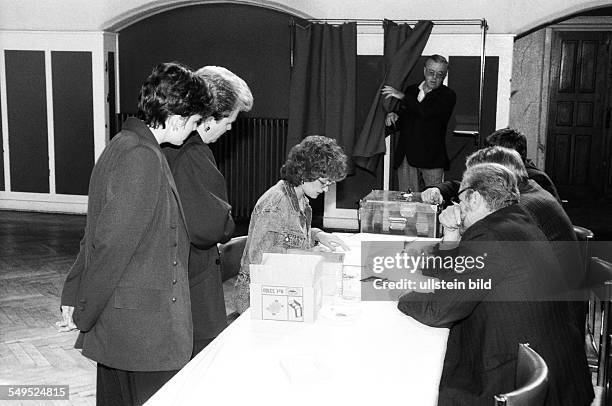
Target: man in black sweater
(423,114)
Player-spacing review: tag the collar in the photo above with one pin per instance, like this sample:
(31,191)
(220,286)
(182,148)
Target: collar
(290,191)
(140,128)
(422,87)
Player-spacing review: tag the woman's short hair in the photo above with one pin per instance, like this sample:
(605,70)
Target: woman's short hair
(315,157)
(507,157)
(229,91)
(495,183)
(172,89)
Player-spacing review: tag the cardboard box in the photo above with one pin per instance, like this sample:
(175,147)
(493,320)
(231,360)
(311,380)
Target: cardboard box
(393,212)
(331,269)
(286,287)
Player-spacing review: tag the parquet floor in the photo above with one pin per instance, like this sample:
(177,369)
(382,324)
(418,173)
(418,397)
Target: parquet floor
(36,251)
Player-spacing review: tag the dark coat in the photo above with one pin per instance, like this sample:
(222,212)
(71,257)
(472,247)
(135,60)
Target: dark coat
(550,217)
(129,283)
(541,179)
(209,221)
(422,127)
(486,326)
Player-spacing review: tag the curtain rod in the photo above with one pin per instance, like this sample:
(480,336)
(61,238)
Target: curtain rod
(481,22)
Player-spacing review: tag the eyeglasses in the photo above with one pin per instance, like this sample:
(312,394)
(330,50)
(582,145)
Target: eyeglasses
(326,183)
(456,198)
(437,75)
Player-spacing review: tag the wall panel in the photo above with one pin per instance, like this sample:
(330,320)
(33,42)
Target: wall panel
(27,121)
(73,121)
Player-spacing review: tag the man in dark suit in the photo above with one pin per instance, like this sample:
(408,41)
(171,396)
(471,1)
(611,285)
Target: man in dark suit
(514,139)
(424,111)
(547,212)
(128,290)
(487,323)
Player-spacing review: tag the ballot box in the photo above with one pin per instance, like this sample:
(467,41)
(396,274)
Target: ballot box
(401,213)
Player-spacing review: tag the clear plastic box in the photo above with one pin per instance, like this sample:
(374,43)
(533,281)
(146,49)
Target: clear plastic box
(401,213)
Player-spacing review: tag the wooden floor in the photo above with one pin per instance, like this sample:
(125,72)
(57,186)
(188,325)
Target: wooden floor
(36,253)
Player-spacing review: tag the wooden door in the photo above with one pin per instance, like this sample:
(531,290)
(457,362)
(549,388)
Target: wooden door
(575,154)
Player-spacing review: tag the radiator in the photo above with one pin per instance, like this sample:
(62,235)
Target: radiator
(250,156)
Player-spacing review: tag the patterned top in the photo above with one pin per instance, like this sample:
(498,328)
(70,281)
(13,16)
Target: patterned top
(277,224)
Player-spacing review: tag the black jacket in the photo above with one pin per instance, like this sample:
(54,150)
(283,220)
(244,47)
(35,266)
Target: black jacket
(487,325)
(204,198)
(422,127)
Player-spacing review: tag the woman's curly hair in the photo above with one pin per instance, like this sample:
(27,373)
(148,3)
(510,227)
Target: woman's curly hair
(315,157)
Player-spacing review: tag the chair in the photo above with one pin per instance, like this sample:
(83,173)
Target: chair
(599,284)
(231,254)
(531,380)
(583,235)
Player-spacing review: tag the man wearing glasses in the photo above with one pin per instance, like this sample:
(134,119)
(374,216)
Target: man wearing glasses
(518,306)
(423,114)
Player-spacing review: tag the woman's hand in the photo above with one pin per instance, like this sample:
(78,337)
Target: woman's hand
(330,241)
(66,324)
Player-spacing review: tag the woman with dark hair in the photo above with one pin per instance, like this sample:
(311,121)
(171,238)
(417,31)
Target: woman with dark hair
(282,216)
(128,290)
(204,198)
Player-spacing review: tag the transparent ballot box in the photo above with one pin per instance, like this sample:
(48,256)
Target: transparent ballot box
(401,213)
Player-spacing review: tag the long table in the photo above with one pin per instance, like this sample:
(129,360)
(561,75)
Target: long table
(355,353)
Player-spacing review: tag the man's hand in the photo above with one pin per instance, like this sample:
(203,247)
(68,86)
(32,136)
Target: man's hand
(66,324)
(450,218)
(331,241)
(389,91)
(432,195)
(391,119)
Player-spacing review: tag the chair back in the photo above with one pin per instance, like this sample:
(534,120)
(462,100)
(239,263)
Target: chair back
(599,283)
(583,235)
(531,380)
(230,254)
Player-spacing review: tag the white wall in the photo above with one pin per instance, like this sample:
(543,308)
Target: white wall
(504,16)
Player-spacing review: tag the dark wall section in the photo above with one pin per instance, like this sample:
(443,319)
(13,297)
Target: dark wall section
(73,120)
(1,154)
(464,79)
(27,121)
(253,42)
(113,125)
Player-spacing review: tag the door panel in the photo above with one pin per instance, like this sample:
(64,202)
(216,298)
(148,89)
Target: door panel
(575,122)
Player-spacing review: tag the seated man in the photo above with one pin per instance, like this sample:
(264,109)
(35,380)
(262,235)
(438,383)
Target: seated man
(547,212)
(513,139)
(487,324)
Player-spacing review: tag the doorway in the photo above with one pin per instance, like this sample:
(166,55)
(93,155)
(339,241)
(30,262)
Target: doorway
(578,147)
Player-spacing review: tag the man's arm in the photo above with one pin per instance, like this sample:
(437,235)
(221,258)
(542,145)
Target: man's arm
(132,198)
(445,307)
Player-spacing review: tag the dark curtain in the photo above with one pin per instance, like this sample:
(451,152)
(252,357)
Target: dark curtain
(403,47)
(323,84)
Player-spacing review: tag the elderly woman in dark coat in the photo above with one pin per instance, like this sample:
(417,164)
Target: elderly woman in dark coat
(282,216)
(203,195)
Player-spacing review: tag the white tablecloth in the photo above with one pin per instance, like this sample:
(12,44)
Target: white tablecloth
(373,355)
(355,353)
